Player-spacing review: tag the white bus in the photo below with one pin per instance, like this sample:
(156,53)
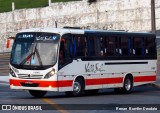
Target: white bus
(79,61)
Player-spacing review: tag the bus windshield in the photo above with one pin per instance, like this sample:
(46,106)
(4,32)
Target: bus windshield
(35,50)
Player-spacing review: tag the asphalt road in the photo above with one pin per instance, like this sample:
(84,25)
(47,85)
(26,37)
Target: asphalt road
(55,101)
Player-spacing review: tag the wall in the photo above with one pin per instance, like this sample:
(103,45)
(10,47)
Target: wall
(132,15)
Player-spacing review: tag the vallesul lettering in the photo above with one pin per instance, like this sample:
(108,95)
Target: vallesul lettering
(94,67)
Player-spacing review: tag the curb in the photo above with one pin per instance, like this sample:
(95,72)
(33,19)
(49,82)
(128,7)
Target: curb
(155,85)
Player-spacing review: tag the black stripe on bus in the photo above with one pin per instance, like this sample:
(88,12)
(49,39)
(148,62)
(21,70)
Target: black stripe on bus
(120,63)
(117,58)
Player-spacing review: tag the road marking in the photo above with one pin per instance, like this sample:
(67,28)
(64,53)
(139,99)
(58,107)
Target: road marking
(54,105)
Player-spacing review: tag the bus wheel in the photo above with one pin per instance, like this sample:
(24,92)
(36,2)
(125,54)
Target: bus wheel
(91,92)
(78,88)
(128,85)
(37,94)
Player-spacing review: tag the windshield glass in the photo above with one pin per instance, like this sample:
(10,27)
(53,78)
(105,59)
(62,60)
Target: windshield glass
(35,50)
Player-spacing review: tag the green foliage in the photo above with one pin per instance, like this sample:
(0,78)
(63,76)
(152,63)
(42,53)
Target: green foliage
(91,1)
(6,5)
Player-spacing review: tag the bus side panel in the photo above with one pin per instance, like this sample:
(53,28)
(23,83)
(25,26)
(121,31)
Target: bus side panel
(144,78)
(65,83)
(93,81)
(147,75)
(113,80)
(99,76)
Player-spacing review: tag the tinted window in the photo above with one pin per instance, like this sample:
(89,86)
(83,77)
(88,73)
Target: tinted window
(125,45)
(66,49)
(79,46)
(150,46)
(111,46)
(91,46)
(138,46)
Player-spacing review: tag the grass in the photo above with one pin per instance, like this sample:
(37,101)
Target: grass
(6,5)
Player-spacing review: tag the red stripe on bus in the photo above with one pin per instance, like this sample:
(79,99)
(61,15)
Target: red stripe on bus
(68,83)
(65,83)
(104,81)
(145,78)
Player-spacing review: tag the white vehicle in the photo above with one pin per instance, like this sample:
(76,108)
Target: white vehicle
(79,61)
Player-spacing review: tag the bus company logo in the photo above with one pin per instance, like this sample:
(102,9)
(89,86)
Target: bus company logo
(94,67)
(45,38)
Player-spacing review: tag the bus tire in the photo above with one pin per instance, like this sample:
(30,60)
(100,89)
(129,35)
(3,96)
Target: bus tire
(78,88)
(91,92)
(37,93)
(128,85)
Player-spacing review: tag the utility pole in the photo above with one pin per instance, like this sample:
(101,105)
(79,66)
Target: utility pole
(97,18)
(56,24)
(49,2)
(153,18)
(13,6)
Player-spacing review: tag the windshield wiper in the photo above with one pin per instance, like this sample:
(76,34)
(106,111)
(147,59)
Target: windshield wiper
(30,55)
(38,56)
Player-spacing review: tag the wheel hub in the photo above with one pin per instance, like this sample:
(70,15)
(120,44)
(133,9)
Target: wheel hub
(76,87)
(128,84)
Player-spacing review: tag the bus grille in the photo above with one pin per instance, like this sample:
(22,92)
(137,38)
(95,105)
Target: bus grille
(29,76)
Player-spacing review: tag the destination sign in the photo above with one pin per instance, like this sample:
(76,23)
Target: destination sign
(39,36)
(46,38)
(26,36)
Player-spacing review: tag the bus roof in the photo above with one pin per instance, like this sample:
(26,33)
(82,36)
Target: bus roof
(55,30)
(114,32)
(82,31)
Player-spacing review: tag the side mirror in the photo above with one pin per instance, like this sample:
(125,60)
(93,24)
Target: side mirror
(8,43)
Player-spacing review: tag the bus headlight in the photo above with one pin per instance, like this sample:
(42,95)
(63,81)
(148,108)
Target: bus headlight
(12,73)
(50,74)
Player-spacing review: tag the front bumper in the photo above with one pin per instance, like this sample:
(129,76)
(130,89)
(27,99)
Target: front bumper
(34,85)
(44,85)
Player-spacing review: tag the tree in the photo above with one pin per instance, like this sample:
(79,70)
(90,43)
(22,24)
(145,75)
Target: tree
(91,1)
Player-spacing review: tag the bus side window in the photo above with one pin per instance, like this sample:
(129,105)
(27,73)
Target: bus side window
(66,50)
(150,46)
(125,46)
(138,46)
(143,47)
(90,46)
(111,44)
(61,53)
(79,46)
